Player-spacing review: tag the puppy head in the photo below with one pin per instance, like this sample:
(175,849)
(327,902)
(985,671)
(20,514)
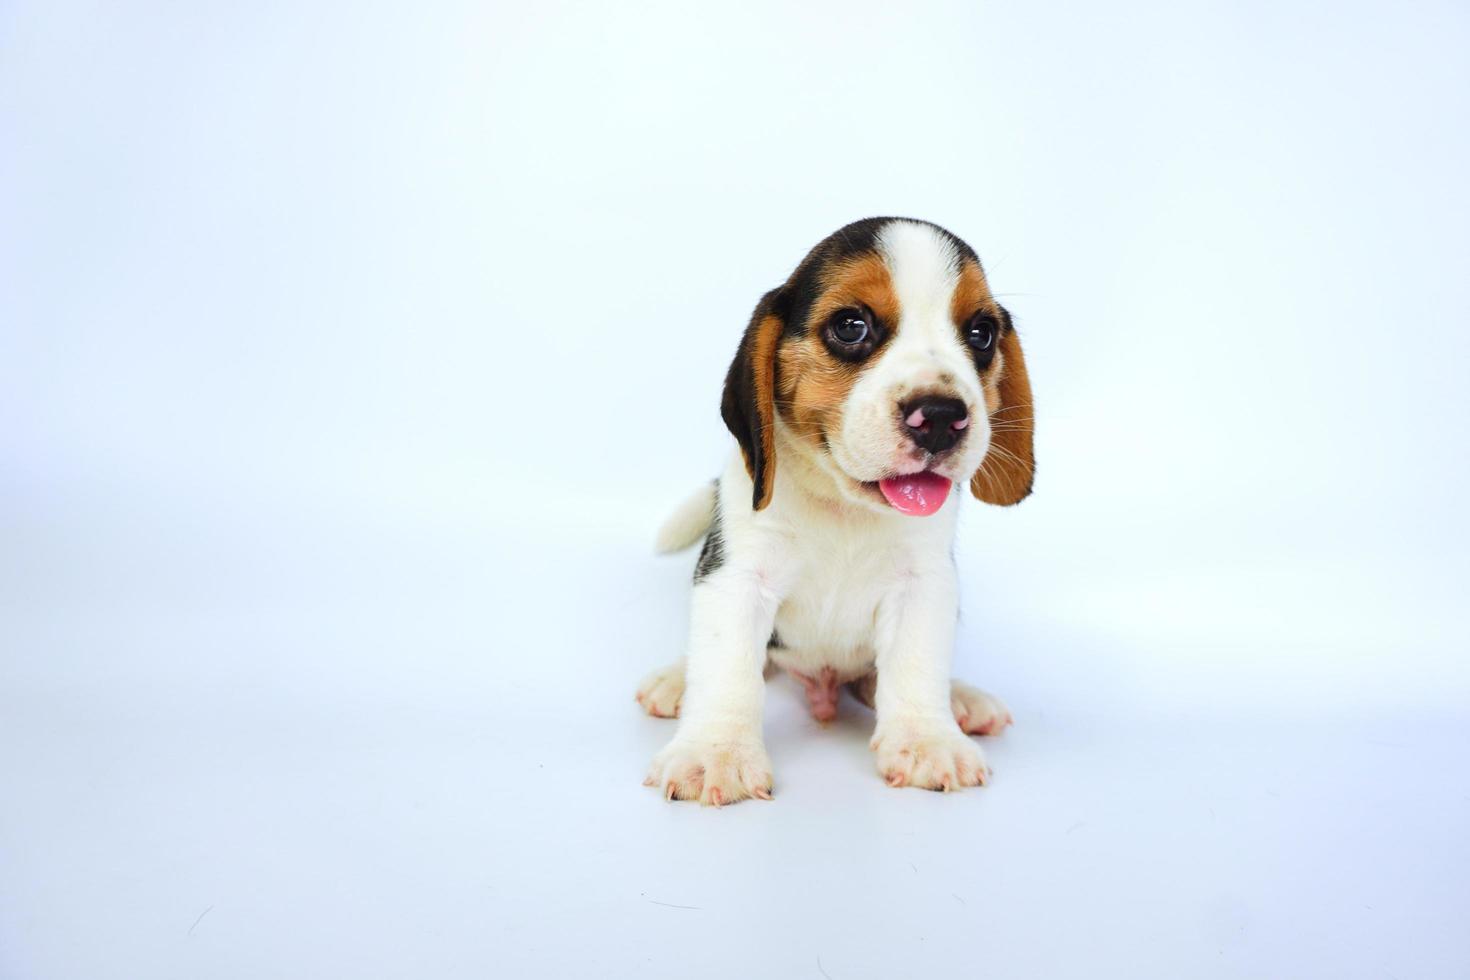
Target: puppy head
(892,369)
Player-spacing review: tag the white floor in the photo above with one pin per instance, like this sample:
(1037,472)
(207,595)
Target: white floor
(278,751)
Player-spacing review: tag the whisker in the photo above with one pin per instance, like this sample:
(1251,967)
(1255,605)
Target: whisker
(1004,452)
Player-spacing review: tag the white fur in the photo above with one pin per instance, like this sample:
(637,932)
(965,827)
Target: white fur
(847,582)
(687,524)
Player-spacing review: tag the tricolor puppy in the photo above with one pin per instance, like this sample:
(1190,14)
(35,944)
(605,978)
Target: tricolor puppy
(878,378)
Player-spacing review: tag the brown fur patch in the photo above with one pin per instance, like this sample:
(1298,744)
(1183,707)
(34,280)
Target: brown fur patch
(864,280)
(971,294)
(814,384)
(1006,473)
(989,385)
(763,362)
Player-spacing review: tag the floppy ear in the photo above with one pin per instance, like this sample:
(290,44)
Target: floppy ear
(1009,466)
(749,405)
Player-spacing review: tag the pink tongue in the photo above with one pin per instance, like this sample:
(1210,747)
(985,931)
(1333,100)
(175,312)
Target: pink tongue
(918,494)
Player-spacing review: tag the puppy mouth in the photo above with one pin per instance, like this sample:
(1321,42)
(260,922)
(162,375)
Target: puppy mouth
(915,494)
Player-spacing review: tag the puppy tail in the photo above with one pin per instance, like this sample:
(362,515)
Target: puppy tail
(689,522)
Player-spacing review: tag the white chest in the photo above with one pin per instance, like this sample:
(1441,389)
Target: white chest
(833,602)
(828,617)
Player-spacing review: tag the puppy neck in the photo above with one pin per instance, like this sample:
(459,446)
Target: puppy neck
(816,482)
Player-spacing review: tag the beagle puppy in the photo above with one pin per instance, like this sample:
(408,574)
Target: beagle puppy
(877,379)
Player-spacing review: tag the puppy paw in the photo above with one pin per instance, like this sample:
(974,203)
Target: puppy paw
(661,691)
(977,712)
(929,755)
(712,771)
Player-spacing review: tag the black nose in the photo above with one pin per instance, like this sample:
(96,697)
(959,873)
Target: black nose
(934,423)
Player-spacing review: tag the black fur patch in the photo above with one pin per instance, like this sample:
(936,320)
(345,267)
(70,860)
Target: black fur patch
(712,555)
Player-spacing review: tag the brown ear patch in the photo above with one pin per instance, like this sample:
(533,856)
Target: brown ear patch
(763,363)
(749,403)
(1006,474)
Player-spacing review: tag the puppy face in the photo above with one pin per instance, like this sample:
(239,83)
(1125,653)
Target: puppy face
(893,370)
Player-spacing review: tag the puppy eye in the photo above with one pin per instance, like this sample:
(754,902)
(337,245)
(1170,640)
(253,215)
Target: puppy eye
(850,327)
(981,333)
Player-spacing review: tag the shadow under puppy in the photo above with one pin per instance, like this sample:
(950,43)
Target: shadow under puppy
(878,377)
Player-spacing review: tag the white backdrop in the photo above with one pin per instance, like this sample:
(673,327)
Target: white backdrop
(350,355)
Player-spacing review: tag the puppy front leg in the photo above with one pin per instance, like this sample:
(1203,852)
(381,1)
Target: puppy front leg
(718,755)
(917,741)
